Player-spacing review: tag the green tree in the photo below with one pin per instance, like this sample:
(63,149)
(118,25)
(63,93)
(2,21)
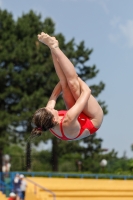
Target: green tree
(27,76)
(6,23)
(16,154)
(41,160)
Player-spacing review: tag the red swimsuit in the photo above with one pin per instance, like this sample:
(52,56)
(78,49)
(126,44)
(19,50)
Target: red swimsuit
(84,121)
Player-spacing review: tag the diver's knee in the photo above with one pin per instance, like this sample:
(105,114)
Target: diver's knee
(73,84)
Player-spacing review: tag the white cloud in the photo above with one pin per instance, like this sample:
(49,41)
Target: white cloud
(114,36)
(104,6)
(121,32)
(127,31)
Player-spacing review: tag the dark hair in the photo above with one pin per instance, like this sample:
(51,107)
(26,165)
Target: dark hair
(43,120)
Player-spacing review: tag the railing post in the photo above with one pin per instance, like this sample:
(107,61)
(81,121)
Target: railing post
(35,189)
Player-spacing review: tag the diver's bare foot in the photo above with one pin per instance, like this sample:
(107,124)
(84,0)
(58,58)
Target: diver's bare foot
(51,42)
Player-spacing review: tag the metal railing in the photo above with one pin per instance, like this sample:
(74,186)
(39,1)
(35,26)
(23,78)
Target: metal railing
(5,188)
(74,175)
(2,186)
(43,188)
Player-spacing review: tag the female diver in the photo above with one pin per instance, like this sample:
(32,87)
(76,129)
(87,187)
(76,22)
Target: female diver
(83,115)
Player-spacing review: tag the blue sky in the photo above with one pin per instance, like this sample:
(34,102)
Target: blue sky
(107,27)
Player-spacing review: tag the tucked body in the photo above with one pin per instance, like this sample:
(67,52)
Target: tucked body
(81,106)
